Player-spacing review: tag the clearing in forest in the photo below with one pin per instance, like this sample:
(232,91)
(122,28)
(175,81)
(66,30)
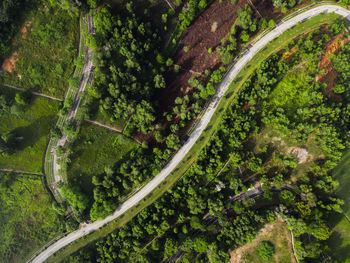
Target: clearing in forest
(278,234)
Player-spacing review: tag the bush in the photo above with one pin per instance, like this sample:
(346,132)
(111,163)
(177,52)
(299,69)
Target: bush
(266,250)
(272,23)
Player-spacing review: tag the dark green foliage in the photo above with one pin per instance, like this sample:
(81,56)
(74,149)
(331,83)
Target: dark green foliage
(285,4)
(266,250)
(127,85)
(11,17)
(246,19)
(196,197)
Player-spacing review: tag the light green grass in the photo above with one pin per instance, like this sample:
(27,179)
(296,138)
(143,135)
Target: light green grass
(186,162)
(339,241)
(34,126)
(280,237)
(291,92)
(46,52)
(342,174)
(27,218)
(95,148)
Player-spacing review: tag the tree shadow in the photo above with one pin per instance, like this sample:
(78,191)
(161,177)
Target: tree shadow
(30,134)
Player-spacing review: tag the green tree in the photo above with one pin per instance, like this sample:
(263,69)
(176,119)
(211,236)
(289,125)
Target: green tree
(266,250)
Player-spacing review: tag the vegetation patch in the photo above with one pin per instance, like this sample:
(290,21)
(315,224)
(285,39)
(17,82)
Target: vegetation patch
(44,52)
(229,207)
(95,151)
(25,126)
(278,237)
(28,220)
(204,138)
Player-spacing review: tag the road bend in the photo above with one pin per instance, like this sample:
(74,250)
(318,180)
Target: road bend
(202,124)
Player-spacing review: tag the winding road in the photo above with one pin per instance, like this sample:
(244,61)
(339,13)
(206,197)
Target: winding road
(202,124)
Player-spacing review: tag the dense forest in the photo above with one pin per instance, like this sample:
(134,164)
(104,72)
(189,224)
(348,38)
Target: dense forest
(200,218)
(129,71)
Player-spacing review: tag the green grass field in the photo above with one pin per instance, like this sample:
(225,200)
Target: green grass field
(33,127)
(272,47)
(280,237)
(27,218)
(95,148)
(342,174)
(339,241)
(45,52)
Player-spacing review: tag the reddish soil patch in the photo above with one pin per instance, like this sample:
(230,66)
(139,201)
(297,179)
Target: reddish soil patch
(212,25)
(329,76)
(9,63)
(206,32)
(24,32)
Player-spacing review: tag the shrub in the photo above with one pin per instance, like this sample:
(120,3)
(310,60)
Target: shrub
(266,250)
(272,23)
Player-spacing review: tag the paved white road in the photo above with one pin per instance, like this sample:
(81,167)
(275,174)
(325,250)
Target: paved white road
(132,201)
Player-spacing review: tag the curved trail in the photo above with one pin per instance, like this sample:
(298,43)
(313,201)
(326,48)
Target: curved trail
(202,124)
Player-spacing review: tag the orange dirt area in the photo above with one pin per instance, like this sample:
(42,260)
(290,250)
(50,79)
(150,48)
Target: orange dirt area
(289,54)
(329,74)
(24,29)
(9,63)
(213,24)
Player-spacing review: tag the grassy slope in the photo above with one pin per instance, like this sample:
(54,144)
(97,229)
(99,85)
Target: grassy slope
(27,218)
(271,48)
(280,237)
(46,52)
(95,148)
(340,238)
(34,126)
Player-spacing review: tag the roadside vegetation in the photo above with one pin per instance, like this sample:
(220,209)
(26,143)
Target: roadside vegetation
(28,220)
(26,121)
(117,94)
(96,150)
(201,214)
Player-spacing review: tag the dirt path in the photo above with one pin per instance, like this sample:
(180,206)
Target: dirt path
(32,92)
(19,172)
(104,126)
(112,129)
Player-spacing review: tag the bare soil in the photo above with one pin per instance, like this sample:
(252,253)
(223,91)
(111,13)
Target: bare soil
(206,32)
(329,76)
(10,63)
